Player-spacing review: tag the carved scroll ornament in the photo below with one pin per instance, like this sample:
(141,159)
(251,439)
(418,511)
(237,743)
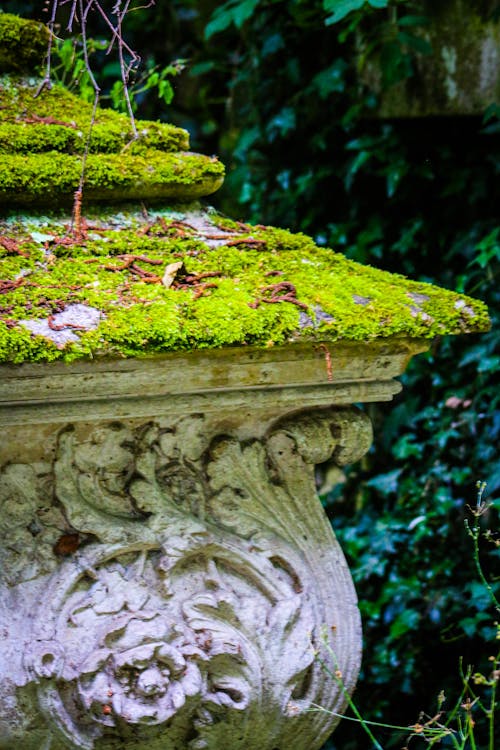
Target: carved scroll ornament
(190,615)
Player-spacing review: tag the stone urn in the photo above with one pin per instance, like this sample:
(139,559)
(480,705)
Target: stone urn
(170,379)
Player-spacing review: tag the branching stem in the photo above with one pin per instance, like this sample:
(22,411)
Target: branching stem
(79,13)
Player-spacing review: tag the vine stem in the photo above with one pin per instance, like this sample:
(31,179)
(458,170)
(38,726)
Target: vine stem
(337,676)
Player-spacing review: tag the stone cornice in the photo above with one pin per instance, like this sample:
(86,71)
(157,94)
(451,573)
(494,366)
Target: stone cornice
(275,378)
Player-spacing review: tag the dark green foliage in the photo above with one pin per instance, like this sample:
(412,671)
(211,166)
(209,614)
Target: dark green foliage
(275,88)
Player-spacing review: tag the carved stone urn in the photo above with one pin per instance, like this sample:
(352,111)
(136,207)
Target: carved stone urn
(169,381)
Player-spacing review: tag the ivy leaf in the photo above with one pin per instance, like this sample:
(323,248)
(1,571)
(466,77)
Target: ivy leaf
(355,166)
(396,66)
(406,621)
(340,9)
(412,20)
(422,46)
(281,123)
(488,249)
(272,44)
(386,484)
(330,79)
(232,12)
(201,68)
(246,141)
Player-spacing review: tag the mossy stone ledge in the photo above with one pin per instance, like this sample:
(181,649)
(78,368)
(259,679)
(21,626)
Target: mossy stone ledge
(23,44)
(44,131)
(183,277)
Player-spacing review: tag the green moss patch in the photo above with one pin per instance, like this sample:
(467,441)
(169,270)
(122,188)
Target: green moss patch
(43,178)
(43,136)
(23,43)
(56,120)
(188,279)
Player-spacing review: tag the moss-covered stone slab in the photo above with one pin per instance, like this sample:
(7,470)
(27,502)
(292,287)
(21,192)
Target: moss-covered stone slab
(55,119)
(45,178)
(186,278)
(23,43)
(45,132)
(132,281)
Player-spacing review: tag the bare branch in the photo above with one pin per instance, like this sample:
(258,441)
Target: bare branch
(79,13)
(109,23)
(46,82)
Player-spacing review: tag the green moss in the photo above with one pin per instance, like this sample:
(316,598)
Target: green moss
(219,295)
(106,138)
(236,284)
(57,120)
(43,138)
(23,44)
(42,178)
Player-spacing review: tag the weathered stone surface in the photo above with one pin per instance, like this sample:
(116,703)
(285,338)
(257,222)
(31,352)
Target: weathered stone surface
(165,584)
(252,384)
(167,569)
(461,73)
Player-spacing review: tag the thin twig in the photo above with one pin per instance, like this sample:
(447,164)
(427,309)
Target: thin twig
(125,71)
(46,82)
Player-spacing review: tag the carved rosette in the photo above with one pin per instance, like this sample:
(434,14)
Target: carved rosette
(192,615)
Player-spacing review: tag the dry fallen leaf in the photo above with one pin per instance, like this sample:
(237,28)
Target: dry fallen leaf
(170,272)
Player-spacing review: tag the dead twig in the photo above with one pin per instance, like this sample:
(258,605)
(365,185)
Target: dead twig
(286,298)
(12,247)
(290,295)
(8,285)
(202,288)
(245,241)
(283,286)
(55,327)
(146,276)
(34,119)
(130,259)
(177,227)
(195,278)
